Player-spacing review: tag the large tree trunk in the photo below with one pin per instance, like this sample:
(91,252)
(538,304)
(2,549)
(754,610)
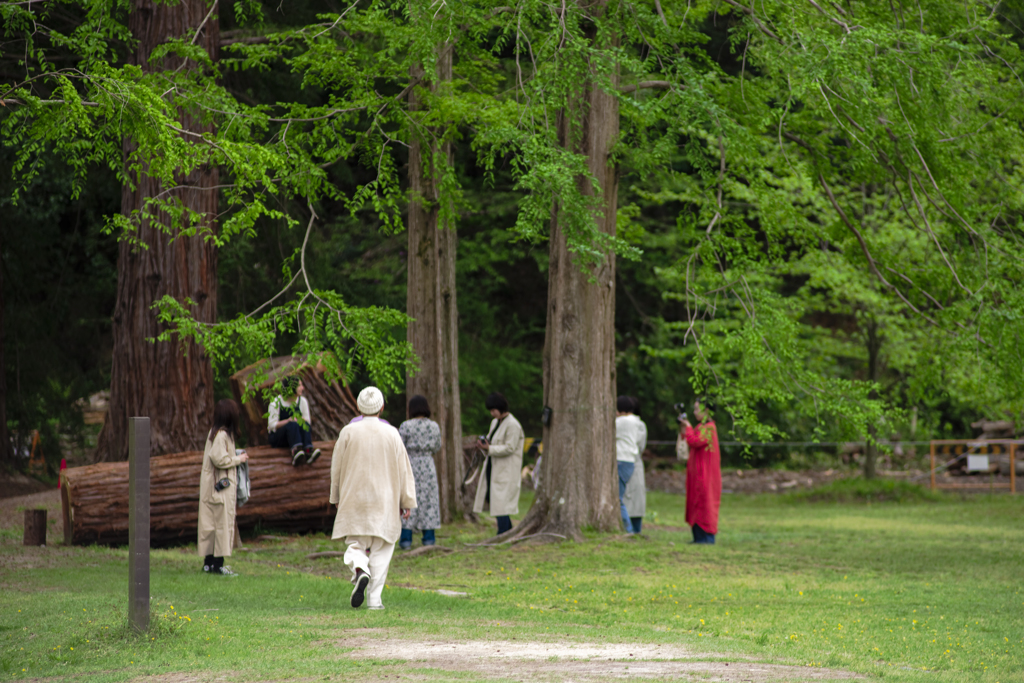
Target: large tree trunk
(6,454)
(578,477)
(171,385)
(874,344)
(434,330)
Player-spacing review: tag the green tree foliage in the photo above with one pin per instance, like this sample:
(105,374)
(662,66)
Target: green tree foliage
(799,177)
(861,173)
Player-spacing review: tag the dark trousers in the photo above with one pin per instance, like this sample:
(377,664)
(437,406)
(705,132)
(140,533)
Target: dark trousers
(290,435)
(504,523)
(625,474)
(701,536)
(428,536)
(637,521)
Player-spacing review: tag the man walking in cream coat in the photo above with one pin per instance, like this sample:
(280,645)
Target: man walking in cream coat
(373,486)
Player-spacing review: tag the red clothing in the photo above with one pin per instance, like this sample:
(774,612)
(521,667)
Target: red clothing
(703,477)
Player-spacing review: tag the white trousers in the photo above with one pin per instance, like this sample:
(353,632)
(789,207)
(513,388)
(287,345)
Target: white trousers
(372,554)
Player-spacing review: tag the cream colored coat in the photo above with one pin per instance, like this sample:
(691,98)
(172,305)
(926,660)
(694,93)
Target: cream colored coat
(371,481)
(506,459)
(217,508)
(635,497)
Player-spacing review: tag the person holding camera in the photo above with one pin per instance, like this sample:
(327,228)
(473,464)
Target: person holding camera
(284,430)
(635,498)
(217,489)
(703,474)
(498,491)
(422,438)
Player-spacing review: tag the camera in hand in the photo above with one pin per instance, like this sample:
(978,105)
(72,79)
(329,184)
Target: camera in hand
(681,409)
(222,484)
(482,439)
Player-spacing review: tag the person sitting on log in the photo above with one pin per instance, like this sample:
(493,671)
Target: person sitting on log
(218,485)
(373,486)
(284,430)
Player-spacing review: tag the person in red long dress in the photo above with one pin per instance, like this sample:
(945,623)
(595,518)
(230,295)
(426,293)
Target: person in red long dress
(703,475)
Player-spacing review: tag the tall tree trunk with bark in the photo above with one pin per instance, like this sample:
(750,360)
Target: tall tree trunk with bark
(171,385)
(874,344)
(578,480)
(431,302)
(6,453)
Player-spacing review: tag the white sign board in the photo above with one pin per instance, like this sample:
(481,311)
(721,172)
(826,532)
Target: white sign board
(977,463)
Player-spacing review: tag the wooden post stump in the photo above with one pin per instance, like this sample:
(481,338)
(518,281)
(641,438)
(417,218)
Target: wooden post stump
(35,527)
(138,523)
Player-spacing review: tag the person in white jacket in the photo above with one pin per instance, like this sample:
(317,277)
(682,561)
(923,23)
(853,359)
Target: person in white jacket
(373,486)
(628,429)
(636,490)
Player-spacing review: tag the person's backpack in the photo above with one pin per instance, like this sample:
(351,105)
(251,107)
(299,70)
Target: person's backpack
(243,484)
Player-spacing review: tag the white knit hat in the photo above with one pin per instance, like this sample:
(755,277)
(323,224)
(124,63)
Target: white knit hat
(370,401)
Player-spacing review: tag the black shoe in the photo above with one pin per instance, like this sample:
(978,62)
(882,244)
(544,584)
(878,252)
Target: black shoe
(359,592)
(313,455)
(298,454)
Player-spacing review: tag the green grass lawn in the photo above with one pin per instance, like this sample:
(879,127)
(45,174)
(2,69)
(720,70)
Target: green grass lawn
(913,591)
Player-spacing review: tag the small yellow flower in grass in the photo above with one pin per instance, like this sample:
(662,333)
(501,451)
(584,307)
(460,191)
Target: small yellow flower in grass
(801,592)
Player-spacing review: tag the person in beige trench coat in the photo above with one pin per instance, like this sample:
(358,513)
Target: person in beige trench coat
(217,508)
(502,469)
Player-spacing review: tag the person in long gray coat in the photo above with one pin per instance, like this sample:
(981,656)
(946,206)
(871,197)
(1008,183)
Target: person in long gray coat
(498,491)
(635,497)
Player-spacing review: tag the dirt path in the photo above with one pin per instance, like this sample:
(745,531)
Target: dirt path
(584,662)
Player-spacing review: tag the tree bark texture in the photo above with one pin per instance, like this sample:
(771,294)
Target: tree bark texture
(35,528)
(6,453)
(874,343)
(95,497)
(170,383)
(431,302)
(578,476)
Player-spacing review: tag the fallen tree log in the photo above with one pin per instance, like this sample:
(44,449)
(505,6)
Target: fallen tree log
(294,499)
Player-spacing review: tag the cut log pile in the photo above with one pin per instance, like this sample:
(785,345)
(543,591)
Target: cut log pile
(331,404)
(295,499)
